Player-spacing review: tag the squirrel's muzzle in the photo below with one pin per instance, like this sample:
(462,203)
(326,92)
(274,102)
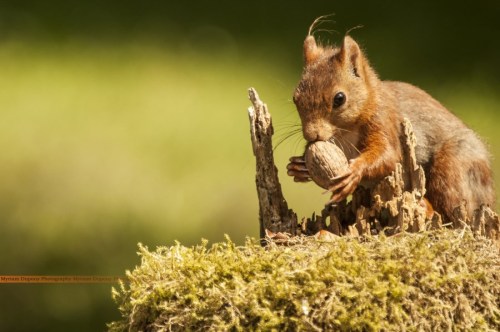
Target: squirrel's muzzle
(317,131)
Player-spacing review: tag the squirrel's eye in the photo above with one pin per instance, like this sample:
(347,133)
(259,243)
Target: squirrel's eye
(339,99)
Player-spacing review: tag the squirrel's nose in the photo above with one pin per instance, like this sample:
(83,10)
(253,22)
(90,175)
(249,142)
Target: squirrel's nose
(317,132)
(315,137)
(311,136)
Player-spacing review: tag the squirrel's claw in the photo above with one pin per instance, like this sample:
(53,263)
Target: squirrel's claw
(297,160)
(301,178)
(344,185)
(342,194)
(297,168)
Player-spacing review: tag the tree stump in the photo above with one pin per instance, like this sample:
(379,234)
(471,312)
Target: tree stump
(393,205)
(274,214)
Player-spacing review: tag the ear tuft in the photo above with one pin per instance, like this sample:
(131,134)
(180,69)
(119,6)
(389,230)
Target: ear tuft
(311,50)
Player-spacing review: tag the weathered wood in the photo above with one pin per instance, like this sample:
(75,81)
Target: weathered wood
(414,176)
(274,214)
(483,222)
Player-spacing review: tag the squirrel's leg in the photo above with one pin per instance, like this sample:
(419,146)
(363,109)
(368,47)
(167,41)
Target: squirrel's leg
(429,209)
(378,159)
(453,176)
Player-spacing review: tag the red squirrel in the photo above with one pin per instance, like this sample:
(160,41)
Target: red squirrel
(340,98)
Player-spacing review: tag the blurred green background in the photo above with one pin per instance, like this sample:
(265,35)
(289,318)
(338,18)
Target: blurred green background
(125,122)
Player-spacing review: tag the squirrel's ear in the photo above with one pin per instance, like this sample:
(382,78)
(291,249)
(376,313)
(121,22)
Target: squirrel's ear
(311,50)
(350,54)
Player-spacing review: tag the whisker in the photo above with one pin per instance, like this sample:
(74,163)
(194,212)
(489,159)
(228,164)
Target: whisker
(346,130)
(287,128)
(338,142)
(355,148)
(350,145)
(287,123)
(298,140)
(286,137)
(285,132)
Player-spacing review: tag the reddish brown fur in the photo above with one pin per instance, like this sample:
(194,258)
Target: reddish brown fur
(368,127)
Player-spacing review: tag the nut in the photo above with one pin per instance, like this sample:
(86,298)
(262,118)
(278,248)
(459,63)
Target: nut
(325,161)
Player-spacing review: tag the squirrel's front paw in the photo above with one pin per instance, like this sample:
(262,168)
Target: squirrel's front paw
(344,184)
(297,168)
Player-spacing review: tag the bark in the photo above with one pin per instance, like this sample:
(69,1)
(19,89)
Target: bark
(274,214)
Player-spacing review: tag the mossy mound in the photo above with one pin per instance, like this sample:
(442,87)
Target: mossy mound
(441,280)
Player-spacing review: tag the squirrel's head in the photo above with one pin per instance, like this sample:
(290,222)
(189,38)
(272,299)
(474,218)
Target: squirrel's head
(335,91)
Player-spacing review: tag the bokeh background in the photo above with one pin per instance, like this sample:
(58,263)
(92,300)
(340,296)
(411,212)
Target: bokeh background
(125,122)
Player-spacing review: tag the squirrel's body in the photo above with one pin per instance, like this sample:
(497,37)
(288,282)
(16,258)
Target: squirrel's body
(340,98)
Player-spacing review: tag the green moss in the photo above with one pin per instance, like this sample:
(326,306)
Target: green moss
(429,281)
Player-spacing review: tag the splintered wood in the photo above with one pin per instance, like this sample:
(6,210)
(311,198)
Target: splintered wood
(393,205)
(274,215)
